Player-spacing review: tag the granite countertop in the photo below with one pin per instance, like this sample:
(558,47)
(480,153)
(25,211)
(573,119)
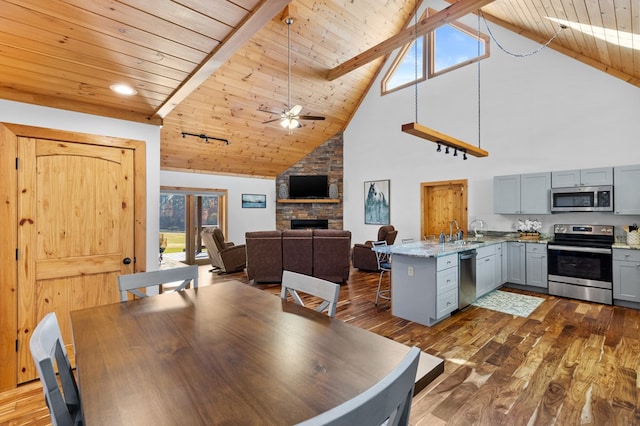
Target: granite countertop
(625,246)
(435,249)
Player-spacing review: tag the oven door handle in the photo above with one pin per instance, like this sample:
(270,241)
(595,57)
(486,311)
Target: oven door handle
(580,249)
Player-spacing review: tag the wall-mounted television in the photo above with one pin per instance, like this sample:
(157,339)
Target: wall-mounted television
(308,186)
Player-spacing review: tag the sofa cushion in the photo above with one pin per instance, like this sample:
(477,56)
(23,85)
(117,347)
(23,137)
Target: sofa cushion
(331,249)
(297,251)
(264,256)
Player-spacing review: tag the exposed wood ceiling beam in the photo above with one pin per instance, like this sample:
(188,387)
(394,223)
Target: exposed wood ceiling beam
(252,24)
(445,16)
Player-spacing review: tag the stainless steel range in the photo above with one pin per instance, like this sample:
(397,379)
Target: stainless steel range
(580,262)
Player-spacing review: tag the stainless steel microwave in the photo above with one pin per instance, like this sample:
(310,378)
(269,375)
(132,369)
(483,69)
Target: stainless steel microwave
(582,199)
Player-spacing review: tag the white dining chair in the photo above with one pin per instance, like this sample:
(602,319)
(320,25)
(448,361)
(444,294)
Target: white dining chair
(293,282)
(47,349)
(387,402)
(383,258)
(132,283)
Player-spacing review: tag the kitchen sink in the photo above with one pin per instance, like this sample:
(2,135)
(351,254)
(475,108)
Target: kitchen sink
(467,242)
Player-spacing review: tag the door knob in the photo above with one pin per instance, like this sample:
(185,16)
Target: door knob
(126,260)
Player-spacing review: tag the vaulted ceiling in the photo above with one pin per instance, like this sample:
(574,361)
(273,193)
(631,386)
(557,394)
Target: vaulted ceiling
(213,66)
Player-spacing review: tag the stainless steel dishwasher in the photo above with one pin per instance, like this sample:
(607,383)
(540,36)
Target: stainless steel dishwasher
(467,277)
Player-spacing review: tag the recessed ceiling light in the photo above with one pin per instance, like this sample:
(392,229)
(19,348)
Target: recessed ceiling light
(123,89)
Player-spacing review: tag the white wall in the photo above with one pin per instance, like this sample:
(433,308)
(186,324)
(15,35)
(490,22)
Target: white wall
(540,113)
(32,115)
(240,220)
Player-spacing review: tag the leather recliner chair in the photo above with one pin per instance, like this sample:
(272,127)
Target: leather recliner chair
(226,256)
(363,258)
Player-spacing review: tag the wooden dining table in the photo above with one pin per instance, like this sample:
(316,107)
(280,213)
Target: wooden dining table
(221,354)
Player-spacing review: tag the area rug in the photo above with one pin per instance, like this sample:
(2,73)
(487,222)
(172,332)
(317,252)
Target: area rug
(509,303)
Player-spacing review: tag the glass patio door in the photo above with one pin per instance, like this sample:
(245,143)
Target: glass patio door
(183,215)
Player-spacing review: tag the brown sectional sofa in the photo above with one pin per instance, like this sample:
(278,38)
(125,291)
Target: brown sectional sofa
(322,253)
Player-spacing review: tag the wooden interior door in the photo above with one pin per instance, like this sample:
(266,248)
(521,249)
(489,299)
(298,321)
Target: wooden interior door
(443,202)
(75,232)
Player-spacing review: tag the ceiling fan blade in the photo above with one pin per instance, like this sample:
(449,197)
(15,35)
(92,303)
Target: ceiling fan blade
(295,110)
(311,117)
(269,111)
(272,120)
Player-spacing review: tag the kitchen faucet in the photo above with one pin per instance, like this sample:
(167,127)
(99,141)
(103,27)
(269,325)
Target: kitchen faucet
(477,223)
(451,229)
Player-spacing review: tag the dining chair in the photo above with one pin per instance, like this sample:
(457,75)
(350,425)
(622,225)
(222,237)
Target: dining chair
(131,283)
(48,348)
(383,258)
(387,402)
(293,282)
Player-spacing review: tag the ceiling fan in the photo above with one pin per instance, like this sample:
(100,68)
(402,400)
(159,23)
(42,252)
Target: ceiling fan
(290,117)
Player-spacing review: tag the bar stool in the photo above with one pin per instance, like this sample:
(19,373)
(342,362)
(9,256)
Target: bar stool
(384,265)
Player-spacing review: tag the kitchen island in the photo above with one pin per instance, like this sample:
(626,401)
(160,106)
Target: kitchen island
(425,281)
(425,276)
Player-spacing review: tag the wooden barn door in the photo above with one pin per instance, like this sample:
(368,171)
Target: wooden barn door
(75,232)
(442,202)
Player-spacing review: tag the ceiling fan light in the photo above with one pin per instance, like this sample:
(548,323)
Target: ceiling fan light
(285,123)
(294,124)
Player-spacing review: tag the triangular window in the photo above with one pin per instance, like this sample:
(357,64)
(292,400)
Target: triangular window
(449,47)
(408,68)
(453,46)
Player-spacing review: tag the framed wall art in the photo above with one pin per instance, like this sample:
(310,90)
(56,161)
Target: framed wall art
(376,202)
(254,201)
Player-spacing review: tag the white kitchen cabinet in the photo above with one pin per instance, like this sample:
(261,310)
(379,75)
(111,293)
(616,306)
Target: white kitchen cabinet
(501,264)
(536,265)
(582,177)
(516,263)
(425,289)
(522,194)
(506,194)
(447,285)
(626,196)
(485,270)
(626,275)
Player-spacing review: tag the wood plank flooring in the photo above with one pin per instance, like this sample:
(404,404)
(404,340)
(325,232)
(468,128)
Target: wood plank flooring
(569,363)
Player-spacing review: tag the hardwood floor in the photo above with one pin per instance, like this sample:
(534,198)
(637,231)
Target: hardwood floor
(569,363)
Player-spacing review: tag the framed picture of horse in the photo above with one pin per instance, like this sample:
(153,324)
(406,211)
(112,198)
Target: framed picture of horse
(376,202)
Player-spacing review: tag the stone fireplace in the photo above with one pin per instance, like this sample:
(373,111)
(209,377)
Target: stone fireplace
(327,159)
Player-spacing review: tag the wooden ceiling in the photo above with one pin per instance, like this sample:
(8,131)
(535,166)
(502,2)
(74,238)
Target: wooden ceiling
(209,66)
